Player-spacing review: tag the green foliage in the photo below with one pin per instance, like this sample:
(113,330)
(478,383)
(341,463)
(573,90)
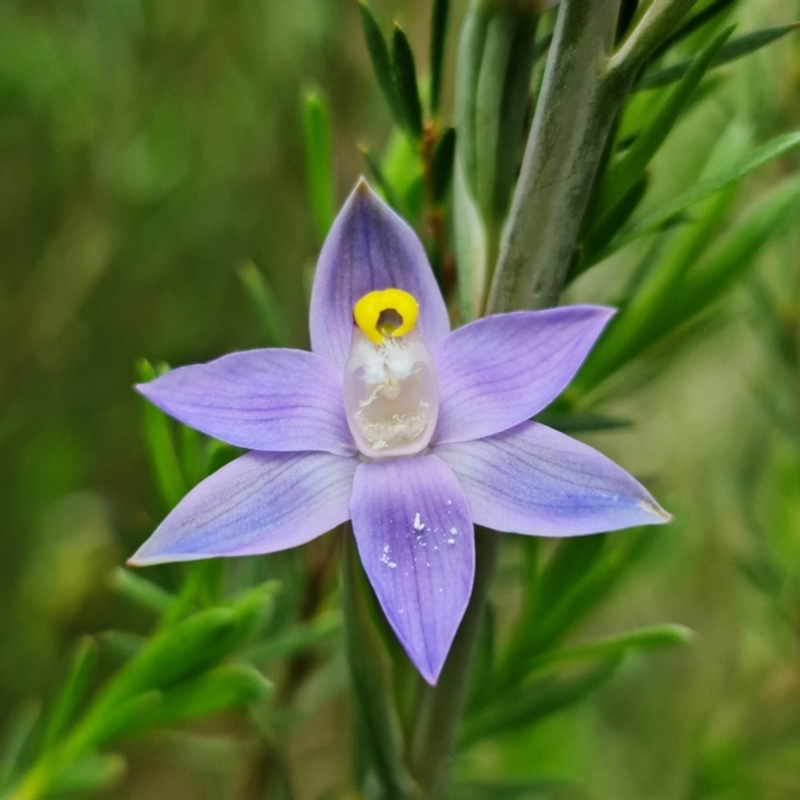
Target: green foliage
(161,445)
(263,297)
(141,591)
(656,220)
(733,50)
(625,173)
(439,18)
(443,159)
(381,63)
(533,701)
(371,671)
(84,663)
(405,78)
(495,60)
(319,161)
(648,317)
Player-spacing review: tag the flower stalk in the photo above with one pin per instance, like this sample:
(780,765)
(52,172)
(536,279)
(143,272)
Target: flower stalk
(441,707)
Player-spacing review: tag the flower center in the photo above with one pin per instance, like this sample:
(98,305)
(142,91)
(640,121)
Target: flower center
(391,394)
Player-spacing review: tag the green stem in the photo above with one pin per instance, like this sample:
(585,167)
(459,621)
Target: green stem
(657,22)
(371,674)
(441,707)
(575,112)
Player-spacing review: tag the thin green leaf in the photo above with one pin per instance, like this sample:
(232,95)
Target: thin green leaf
(16,741)
(710,12)
(174,653)
(470,55)
(443,159)
(644,324)
(571,560)
(72,693)
(371,673)
(191,455)
(220,689)
(582,423)
(585,593)
(598,238)
(652,638)
(219,454)
(405,77)
(628,170)
(515,105)
(577,577)
(253,610)
(524,706)
(381,63)
(266,304)
(384,187)
(115,721)
(470,242)
(298,638)
(737,48)
(500,101)
(319,161)
(439,15)
(89,773)
(139,590)
(122,645)
(652,283)
(484,655)
(542,46)
(161,446)
(735,252)
(656,219)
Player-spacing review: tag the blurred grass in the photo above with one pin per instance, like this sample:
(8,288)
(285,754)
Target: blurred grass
(147,151)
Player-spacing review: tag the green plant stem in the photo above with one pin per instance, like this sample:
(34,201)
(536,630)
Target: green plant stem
(370,670)
(657,22)
(441,707)
(574,114)
(584,86)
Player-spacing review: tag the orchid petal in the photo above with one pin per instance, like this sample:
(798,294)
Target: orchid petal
(416,541)
(275,400)
(534,480)
(369,248)
(260,503)
(501,370)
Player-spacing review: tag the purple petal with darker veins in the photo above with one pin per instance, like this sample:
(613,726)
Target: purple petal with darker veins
(275,400)
(369,247)
(416,541)
(532,479)
(260,503)
(501,370)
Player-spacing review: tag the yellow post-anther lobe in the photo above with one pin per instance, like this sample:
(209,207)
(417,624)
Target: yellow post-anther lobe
(370,314)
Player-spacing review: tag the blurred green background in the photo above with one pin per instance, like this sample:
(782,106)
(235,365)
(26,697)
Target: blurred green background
(148,149)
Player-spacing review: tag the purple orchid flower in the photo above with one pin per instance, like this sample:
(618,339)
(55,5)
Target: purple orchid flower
(410,430)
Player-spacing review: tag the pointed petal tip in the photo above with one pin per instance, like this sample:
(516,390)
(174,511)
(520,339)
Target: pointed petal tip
(603,313)
(141,559)
(430,676)
(651,507)
(362,187)
(610,311)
